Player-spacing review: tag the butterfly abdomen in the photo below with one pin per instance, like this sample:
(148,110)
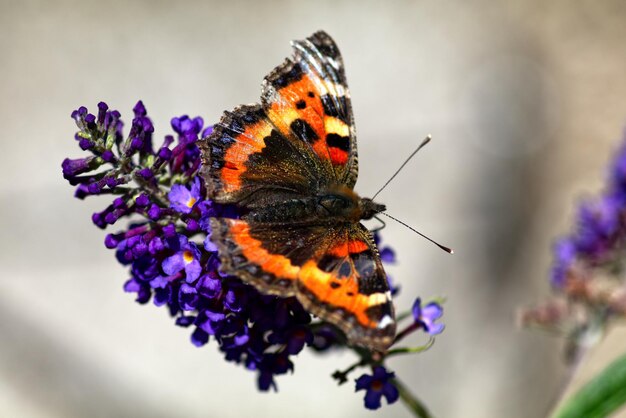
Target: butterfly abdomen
(288,211)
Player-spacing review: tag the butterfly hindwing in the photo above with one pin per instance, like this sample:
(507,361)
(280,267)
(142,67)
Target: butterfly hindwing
(245,254)
(347,286)
(335,272)
(268,255)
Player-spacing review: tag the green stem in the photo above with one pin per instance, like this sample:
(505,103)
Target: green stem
(409,350)
(600,397)
(410,401)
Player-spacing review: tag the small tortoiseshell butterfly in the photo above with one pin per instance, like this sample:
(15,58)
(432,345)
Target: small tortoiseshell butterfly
(290,164)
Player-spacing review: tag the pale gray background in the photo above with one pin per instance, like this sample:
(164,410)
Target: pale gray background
(526,102)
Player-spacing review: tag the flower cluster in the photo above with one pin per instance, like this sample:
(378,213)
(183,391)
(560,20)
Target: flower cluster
(172,261)
(587,274)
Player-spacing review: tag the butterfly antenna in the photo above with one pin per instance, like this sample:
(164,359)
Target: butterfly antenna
(443,247)
(424,142)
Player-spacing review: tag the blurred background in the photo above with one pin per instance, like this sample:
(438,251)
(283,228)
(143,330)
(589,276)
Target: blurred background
(526,102)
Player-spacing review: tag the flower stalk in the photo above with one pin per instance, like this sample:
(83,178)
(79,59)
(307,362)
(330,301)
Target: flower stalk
(412,403)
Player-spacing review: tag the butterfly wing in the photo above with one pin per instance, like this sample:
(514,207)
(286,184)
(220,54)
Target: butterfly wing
(346,285)
(307,97)
(246,159)
(300,140)
(266,255)
(335,272)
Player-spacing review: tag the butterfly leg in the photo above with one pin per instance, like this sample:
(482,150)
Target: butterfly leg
(380,227)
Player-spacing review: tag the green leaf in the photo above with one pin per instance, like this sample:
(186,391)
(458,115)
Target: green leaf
(603,395)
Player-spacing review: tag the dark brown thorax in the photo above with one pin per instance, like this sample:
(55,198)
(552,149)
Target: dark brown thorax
(334,205)
(344,204)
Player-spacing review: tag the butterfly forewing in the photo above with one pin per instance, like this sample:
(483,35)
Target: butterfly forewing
(246,155)
(307,97)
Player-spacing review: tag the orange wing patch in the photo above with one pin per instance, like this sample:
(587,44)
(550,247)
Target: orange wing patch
(346,297)
(340,250)
(301,102)
(357,246)
(298,101)
(344,248)
(252,249)
(249,142)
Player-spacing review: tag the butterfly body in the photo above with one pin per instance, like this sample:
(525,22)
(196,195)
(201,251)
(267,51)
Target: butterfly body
(331,206)
(290,165)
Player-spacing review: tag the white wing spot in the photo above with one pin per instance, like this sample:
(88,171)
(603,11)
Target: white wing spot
(385,321)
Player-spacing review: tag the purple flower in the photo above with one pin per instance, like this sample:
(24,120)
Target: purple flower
(427,316)
(211,321)
(297,337)
(393,288)
(187,127)
(376,386)
(188,297)
(617,177)
(72,168)
(185,157)
(142,290)
(198,337)
(209,245)
(600,228)
(588,267)
(140,131)
(599,234)
(186,258)
(564,256)
(182,199)
(387,255)
(209,285)
(294,339)
(598,221)
(325,336)
(272,364)
(142,200)
(207,131)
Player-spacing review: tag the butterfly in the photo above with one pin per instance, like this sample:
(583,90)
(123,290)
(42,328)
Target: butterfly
(290,165)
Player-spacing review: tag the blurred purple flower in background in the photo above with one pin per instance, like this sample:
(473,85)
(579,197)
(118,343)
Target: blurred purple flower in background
(588,266)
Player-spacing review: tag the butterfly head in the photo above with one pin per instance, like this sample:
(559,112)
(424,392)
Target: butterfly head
(369,208)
